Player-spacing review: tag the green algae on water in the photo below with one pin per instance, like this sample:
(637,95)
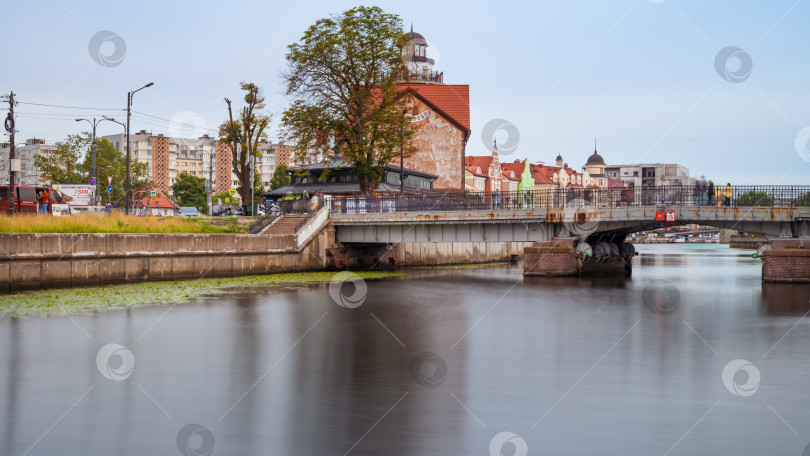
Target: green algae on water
(60,301)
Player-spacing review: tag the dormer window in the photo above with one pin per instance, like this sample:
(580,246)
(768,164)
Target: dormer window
(555,177)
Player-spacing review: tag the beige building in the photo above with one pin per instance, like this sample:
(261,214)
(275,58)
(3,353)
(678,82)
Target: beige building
(647,174)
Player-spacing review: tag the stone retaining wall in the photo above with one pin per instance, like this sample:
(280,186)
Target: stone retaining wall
(58,260)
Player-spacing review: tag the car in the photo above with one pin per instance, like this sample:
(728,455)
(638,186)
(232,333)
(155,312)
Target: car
(189,212)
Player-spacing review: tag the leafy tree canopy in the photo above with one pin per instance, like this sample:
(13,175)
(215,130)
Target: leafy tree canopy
(342,78)
(280,177)
(190,191)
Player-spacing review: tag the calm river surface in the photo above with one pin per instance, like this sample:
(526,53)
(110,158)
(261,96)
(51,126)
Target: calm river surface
(440,362)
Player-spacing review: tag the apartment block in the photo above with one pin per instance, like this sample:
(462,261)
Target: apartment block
(29,174)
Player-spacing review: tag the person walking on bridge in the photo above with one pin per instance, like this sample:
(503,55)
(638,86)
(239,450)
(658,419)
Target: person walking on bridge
(727,195)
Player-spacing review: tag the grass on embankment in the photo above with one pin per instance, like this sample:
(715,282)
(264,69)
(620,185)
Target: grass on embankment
(113,223)
(56,302)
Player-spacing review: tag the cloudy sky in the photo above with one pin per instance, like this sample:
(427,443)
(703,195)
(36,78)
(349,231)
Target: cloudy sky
(720,87)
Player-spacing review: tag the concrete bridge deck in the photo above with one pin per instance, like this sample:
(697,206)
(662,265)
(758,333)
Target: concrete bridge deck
(541,224)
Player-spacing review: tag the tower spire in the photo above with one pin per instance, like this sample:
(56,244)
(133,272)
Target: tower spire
(411,28)
(594,145)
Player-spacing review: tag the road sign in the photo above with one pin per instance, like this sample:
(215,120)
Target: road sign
(232,192)
(153,194)
(109,180)
(109,189)
(665,216)
(92,181)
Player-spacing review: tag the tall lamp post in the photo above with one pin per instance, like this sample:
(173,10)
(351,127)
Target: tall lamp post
(129,108)
(94,123)
(126,131)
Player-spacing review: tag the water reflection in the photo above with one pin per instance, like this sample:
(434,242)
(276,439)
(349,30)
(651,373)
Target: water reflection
(572,365)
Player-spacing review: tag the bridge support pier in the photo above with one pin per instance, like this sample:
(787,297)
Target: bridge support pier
(787,260)
(561,258)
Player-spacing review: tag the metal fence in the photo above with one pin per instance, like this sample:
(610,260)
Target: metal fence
(676,195)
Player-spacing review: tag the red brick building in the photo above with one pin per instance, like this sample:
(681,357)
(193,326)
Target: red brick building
(442,112)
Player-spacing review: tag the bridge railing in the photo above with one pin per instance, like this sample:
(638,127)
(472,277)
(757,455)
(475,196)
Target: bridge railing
(673,195)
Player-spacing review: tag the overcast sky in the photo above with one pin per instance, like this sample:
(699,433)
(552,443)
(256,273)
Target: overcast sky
(646,78)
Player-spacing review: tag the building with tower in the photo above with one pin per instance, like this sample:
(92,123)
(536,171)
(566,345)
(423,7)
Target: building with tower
(442,113)
(595,167)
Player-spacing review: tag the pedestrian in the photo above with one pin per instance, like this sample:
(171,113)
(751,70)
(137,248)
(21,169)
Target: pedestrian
(710,193)
(727,195)
(45,196)
(699,190)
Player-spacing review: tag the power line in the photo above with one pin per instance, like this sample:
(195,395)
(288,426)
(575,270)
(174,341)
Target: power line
(70,107)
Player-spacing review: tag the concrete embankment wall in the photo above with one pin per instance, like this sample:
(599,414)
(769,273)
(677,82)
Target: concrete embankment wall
(437,253)
(746,242)
(60,260)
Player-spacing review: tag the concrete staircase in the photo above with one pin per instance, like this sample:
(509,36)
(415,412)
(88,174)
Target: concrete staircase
(285,224)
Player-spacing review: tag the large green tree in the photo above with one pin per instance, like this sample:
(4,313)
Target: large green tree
(190,191)
(72,163)
(244,133)
(342,78)
(63,164)
(280,177)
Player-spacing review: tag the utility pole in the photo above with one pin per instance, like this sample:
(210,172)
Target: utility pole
(12,161)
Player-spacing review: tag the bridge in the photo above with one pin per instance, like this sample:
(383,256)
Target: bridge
(537,216)
(586,216)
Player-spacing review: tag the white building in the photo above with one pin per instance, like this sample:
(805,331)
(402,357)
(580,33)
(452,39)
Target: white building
(29,174)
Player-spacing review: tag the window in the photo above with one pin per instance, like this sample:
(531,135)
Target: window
(303,180)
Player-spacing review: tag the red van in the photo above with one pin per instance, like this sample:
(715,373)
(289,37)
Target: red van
(27,200)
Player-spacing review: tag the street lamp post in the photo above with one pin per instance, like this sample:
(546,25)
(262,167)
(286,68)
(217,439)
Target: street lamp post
(94,123)
(126,132)
(129,108)
(401,158)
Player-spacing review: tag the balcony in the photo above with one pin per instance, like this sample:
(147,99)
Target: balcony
(425,75)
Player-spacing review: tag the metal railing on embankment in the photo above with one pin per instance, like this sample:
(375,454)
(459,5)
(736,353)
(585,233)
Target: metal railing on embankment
(677,195)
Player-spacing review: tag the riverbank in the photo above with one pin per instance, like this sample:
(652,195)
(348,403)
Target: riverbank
(118,223)
(57,302)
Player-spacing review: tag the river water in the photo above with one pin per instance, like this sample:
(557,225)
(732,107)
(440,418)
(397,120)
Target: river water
(439,362)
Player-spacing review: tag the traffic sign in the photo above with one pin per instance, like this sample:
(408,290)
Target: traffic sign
(232,192)
(109,180)
(109,189)
(153,194)
(92,181)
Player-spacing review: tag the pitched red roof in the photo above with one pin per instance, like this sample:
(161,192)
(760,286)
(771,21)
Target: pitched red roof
(452,99)
(474,171)
(516,166)
(612,183)
(160,202)
(482,161)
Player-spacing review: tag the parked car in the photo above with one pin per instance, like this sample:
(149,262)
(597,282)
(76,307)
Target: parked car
(189,212)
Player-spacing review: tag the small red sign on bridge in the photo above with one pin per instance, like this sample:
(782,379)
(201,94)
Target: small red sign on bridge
(665,216)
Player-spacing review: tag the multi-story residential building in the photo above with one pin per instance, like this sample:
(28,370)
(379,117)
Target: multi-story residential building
(647,174)
(202,157)
(29,174)
(271,156)
(167,157)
